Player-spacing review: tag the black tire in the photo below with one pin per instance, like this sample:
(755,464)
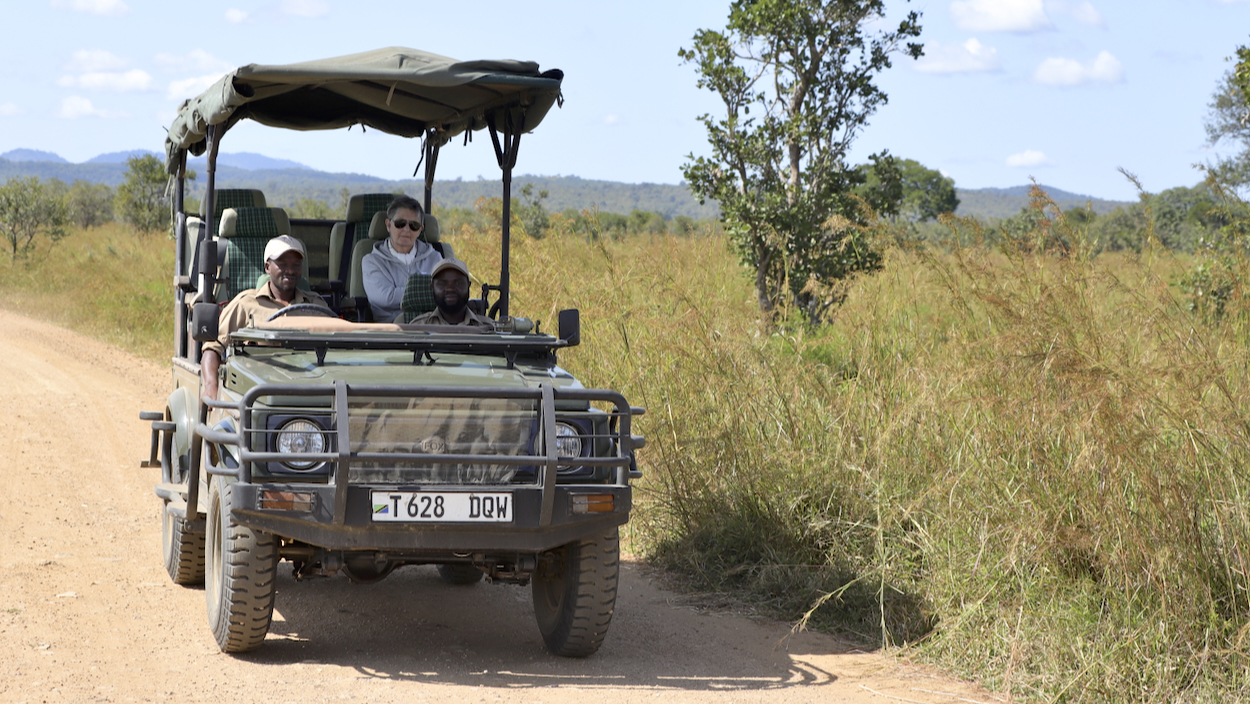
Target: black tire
(460,573)
(183,550)
(241,567)
(575,594)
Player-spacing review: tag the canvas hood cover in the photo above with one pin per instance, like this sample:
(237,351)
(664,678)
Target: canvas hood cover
(399,91)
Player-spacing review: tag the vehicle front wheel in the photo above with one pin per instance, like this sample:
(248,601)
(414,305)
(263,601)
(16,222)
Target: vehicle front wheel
(575,594)
(182,549)
(241,566)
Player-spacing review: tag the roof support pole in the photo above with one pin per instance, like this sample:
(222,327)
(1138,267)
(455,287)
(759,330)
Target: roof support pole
(210,205)
(505,154)
(180,256)
(431,163)
(206,278)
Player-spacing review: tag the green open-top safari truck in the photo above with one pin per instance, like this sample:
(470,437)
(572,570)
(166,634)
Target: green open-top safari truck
(343,445)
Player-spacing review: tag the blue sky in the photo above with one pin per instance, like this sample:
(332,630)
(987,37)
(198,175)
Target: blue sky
(1064,91)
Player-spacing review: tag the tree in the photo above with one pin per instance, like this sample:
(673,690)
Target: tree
(532,214)
(29,209)
(90,204)
(906,189)
(795,77)
(141,198)
(1229,119)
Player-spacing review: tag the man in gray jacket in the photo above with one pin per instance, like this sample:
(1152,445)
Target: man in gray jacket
(386,269)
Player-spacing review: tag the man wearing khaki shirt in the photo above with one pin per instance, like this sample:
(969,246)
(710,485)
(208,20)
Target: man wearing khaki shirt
(284,263)
(451,295)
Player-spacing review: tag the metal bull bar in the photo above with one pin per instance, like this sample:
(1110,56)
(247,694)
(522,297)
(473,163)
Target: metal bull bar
(341,458)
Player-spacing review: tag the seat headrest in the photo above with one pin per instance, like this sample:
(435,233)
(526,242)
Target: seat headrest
(431,232)
(233,198)
(377,226)
(254,222)
(362,207)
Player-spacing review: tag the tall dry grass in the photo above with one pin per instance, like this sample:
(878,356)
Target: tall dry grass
(105,281)
(1026,465)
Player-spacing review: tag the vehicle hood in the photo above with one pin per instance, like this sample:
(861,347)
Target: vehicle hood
(361,367)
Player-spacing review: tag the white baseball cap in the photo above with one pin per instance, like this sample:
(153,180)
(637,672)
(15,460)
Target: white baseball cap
(281,245)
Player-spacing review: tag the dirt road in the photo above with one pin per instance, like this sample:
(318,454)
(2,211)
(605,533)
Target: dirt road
(88,614)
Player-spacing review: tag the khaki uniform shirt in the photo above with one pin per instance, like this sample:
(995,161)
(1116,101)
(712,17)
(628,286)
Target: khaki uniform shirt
(252,306)
(435,317)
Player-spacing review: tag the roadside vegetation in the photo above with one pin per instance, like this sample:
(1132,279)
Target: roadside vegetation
(1024,461)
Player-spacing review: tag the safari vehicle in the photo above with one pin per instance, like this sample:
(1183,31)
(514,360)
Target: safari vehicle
(356,447)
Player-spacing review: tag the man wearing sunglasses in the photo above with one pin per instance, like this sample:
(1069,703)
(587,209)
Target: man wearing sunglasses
(386,269)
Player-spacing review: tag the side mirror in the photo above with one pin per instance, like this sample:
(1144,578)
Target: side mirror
(570,322)
(204,322)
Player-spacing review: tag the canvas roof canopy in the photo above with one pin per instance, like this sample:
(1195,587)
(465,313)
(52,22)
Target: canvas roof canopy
(399,91)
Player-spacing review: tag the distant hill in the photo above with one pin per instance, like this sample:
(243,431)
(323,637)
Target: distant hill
(32,155)
(249,161)
(1005,202)
(286,182)
(120,157)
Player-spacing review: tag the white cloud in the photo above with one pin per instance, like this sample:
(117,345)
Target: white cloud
(1083,12)
(10,109)
(1105,68)
(970,57)
(135,79)
(610,119)
(236,16)
(92,60)
(94,7)
(191,87)
(196,60)
(1028,157)
(1000,15)
(74,107)
(306,8)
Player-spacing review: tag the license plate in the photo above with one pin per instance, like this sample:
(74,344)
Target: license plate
(442,507)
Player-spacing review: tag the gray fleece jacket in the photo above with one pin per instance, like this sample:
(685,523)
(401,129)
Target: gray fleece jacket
(386,276)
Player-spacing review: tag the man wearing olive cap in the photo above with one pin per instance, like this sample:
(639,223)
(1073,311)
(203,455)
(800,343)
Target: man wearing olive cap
(451,295)
(284,263)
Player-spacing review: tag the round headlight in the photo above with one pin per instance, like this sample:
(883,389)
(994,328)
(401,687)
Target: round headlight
(568,442)
(301,436)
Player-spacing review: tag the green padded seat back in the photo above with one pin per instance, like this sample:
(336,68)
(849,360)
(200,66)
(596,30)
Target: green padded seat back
(360,211)
(418,297)
(233,198)
(247,231)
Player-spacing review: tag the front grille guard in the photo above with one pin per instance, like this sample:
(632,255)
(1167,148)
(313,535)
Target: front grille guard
(340,460)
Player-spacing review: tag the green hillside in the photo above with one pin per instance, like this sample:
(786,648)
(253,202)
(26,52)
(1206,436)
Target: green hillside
(1005,202)
(285,187)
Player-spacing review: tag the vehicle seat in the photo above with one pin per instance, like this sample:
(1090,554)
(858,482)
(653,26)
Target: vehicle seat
(376,233)
(247,231)
(355,228)
(433,236)
(225,198)
(418,297)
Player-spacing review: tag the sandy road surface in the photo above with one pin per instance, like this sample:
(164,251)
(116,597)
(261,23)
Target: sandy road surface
(88,614)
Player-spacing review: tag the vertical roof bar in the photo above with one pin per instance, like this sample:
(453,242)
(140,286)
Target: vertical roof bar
(505,154)
(431,163)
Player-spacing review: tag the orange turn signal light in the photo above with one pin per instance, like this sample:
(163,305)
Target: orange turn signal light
(286,500)
(593,503)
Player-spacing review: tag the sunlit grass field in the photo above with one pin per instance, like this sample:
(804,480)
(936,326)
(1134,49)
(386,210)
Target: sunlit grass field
(1027,468)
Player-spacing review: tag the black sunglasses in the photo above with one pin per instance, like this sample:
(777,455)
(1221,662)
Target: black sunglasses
(410,224)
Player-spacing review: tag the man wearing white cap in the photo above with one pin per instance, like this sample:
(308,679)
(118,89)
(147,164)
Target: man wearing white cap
(284,263)
(451,295)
